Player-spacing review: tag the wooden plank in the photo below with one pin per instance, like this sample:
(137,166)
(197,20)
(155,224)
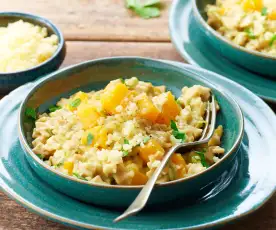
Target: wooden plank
(82,51)
(96,20)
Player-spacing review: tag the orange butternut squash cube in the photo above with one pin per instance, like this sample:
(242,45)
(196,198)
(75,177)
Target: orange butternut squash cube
(150,148)
(252,5)
(170,110)
(113,96)
(139,178)
(97,136)
(177,159)
(87,115)
(68,165)
(147,109)
(272,15)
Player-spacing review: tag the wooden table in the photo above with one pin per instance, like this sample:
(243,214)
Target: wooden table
(102,28)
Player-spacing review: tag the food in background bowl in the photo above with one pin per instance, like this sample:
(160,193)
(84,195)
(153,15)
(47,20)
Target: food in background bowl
(24,45)
(247,23)
(119,135)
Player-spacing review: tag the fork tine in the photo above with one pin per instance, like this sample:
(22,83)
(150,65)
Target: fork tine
(207,122)
(213,118)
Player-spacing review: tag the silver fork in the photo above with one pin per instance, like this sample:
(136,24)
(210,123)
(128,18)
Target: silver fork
(139,203)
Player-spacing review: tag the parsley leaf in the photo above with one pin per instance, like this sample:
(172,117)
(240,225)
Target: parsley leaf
(146,139)
(273,39)
(176,133)
(78,176)
(126,142)
(131,4)
(59,164)
(125,153)
(54,108)
(90,138)
(122,80)
(151,3)
(40,156)
(75,103)
(31,113)
(146,10)
(250,33)
(264,11)
(202,158)
(173,126)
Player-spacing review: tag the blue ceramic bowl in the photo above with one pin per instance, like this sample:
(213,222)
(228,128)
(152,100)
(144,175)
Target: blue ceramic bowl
(94,75)
(9,81)
(252,60)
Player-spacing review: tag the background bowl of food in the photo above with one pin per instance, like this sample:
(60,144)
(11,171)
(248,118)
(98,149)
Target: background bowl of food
(31,46)
(242,31)
(97,130)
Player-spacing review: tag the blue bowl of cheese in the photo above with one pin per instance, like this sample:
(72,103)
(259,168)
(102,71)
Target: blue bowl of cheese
(30,46)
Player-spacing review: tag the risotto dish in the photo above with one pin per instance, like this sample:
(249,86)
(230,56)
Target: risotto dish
(247,23)
(119,135)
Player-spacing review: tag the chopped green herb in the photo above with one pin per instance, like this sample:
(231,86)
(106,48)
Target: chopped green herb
(122,80)
(40,156)
(151,3)
(264,11)
(176,133)
(146,139)
(90,138)
(195,159)
(59,164)
(202,158)
(125,153)
(54,108)
(147,10)
(178,102)
(173,126)
(179,135)
(31,113)
(78,176)
(75,103)
(250,33)
(126,142)
(273,39)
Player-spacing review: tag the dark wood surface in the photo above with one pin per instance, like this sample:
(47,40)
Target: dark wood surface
(104,28)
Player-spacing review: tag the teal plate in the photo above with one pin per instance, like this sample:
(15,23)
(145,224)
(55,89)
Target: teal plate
(252,182)
(192,45)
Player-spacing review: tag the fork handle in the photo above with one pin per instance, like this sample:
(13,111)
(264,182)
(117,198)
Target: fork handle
(142,198)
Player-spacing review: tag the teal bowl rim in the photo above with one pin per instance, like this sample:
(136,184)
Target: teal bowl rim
(95,61)
(36,18)
(207,27)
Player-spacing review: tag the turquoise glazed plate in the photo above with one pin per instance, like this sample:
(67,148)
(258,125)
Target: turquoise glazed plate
(252,185)
(190,42)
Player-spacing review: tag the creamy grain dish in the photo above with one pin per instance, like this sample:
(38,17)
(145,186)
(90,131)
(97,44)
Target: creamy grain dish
(119,135)
(247,23)
(24,45)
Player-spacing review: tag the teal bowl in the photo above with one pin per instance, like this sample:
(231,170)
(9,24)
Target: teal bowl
(94,75)
(10,81)
(251,60)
